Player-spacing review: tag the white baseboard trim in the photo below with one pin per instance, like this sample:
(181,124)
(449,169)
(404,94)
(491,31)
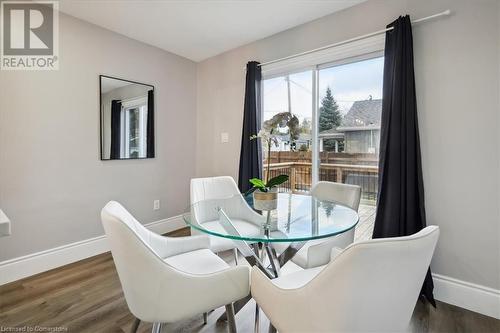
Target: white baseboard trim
(467,295)
(31,264)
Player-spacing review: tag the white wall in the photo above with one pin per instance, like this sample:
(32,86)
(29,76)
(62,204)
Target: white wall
(456,65)
(52,182)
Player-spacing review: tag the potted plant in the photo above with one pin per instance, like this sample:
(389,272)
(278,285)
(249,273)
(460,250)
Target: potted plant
(265,192)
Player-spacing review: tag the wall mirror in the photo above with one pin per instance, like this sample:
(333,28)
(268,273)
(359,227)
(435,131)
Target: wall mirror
(127,119)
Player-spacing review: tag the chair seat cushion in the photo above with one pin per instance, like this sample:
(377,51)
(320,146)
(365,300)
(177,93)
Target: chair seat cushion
(197,262)
(295,277)
(219,244)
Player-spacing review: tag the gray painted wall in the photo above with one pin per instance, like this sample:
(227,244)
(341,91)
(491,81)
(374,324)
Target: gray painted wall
(52,182)
(456,65)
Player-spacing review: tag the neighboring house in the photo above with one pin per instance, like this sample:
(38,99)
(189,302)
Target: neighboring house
(334,135)
(360,128)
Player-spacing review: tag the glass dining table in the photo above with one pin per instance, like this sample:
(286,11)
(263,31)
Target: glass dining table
(281,232)
(268,239)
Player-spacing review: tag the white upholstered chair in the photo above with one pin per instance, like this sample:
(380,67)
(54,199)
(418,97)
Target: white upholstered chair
(370,286)
(243,217)
(316,253)
(166,279)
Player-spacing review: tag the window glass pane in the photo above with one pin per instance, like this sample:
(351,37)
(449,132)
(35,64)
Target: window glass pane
(134,132)
(291,93)
(350,105)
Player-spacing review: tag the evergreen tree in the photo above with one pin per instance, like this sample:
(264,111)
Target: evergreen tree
(329,113)
(329,117)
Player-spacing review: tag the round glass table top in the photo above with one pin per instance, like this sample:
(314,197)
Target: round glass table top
(297,218)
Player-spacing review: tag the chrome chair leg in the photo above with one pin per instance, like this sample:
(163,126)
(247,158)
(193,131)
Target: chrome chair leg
(235,252)
(256,328)
(135,325)
(230,318)
(156,328)
(205,318)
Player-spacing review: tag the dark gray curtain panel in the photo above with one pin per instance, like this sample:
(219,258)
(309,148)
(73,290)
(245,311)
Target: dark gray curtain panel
(251,154)
(150,126)
(401,208)
(116,110)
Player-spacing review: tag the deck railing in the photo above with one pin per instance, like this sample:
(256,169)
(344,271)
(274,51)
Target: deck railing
(300,176)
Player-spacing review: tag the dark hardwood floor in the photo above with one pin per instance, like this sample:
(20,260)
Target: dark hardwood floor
(86,297)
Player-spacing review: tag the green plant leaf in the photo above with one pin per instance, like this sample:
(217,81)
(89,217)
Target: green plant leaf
(275,181)
(258,183)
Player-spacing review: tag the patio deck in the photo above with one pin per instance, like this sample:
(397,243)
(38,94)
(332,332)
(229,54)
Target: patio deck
(364,229)
(348,169)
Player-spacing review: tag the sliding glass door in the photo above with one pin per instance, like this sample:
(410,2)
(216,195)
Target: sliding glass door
(339,108)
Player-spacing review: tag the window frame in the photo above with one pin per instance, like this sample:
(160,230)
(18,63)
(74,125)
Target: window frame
(368,48)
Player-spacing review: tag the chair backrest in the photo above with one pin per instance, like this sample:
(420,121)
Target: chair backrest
(141,271)
(212,188)
(345,194)
(370,286)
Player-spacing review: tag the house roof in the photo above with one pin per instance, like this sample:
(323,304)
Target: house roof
(365,113)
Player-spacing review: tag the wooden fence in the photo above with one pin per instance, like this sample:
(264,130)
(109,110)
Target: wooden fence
(300,176)
(325,157)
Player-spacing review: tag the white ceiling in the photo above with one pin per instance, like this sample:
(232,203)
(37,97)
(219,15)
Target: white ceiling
(200,29)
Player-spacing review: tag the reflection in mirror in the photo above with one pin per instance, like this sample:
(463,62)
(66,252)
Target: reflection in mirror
(127,119)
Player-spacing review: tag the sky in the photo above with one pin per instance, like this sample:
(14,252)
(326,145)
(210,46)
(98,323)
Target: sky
(350,82)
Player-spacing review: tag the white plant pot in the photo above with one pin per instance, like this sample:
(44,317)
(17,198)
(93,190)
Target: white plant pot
(265,200)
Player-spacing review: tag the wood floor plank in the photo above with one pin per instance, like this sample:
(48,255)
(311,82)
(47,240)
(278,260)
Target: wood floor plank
(87,297)
(58,282)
